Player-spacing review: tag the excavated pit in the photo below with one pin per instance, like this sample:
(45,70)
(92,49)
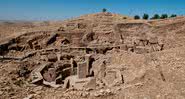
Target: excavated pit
(72,53)
(85,54)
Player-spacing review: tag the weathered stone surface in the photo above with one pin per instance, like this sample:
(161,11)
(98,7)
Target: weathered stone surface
(52,57)
(123,47)
(36,75)
(50,75)
(43,58)
(66,83)
(52,84)
(91,84)
(82,70)
(113,77)
(141,50)
(75,82)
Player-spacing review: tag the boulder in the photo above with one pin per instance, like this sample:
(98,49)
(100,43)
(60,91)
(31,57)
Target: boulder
(113,77)
(52,57)
(50,75)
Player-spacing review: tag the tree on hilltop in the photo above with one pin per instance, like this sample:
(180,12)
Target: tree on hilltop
(104,10)
(164,16)
(136,17)
(156,16)
(173,15)
(145,16)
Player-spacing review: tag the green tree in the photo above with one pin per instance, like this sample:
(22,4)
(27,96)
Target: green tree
(104,10)
(156,16)
(164,16)
(136,17)
(173,15)
(145,16)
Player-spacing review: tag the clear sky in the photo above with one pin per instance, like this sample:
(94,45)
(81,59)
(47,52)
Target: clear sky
(62,9)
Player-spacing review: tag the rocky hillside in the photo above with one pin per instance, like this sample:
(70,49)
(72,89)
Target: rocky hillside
(101,55)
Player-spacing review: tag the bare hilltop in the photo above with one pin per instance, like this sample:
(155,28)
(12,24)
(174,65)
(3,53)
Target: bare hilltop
(94,56)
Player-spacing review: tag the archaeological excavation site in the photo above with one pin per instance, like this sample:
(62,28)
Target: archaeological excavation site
(94,56)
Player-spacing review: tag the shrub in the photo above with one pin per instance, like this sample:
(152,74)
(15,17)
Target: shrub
(145,16)
(136,17)
(104,10)
(156,16)
(164,16)
(124,17)
(173,15)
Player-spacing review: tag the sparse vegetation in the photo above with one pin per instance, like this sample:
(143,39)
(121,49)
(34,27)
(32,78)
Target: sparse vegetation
(156,16)
(173,15)
(164,16)
(145,16)
(136,17)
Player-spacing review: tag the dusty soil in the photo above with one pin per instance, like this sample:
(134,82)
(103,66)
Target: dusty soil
(132,59)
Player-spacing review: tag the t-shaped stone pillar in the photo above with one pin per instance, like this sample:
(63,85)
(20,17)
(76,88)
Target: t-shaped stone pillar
(82,70)
(87,59)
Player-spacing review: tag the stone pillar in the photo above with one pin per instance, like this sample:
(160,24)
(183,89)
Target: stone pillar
(82,70)
(58,56)
(87,59)
(72,66)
